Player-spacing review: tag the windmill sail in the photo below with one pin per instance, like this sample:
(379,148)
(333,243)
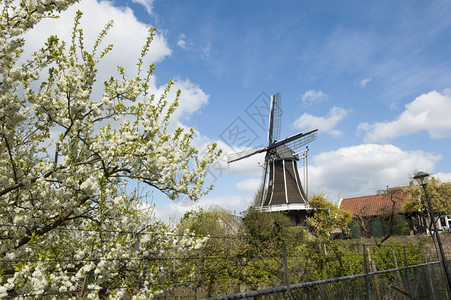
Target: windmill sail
(293,142)
(244,154)
(275,118)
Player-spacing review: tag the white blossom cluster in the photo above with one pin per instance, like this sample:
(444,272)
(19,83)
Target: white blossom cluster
(68,229)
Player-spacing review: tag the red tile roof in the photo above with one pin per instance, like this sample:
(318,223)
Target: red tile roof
(375,205)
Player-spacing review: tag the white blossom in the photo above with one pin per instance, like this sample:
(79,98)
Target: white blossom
(65,163)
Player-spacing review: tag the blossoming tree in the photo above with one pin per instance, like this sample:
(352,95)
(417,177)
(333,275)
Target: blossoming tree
(68,226)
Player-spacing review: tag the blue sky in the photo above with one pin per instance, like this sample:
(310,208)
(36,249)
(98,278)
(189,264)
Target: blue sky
(374,77)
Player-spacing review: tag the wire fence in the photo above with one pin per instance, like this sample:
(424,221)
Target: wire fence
(239,266)
(423,281)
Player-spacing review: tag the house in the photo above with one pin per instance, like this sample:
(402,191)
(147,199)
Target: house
(444,223)
(380,214)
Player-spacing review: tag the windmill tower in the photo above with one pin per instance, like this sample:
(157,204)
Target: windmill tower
(281,187)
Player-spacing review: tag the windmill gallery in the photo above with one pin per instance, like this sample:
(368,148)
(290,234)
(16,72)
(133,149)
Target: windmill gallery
(281,188)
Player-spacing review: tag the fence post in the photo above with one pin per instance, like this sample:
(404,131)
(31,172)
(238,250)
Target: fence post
(395,262)
(428,272)
(367,280)
(285,271)
(443,275)
(407,274)
(373,268)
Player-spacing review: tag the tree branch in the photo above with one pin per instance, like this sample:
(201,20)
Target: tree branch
(43,230)
(46,175)
(13,165)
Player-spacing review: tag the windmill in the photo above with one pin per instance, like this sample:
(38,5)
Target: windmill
(281,188)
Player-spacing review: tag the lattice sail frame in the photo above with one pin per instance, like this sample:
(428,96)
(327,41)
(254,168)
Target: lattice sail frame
(275,119)
(293,146)
(293,142)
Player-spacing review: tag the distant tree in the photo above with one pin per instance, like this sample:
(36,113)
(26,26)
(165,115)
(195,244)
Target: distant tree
(263,226)
(257,199)
(211,221)
(216,266)
(391,221)
(68,226)
(363,224)
(325,220)
(439,195)
(263,248)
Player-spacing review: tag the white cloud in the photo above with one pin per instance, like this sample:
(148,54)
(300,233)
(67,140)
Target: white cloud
(187,44)
(175,210)
(312,96)
(192,98)
(127,35)
(364,82)
(346,172)
(148,4)
(250,166)
(249,186)
(326,124)
(206,51)
(428,112)
(182,42)
(220,170)
(364,169)
(444,177)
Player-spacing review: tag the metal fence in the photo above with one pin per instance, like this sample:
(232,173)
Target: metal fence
(423,281)
(367,272)
(419,281)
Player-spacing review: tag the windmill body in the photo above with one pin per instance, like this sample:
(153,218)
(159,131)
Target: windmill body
(281,188)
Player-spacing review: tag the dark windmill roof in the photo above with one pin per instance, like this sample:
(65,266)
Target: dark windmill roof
(284,152)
